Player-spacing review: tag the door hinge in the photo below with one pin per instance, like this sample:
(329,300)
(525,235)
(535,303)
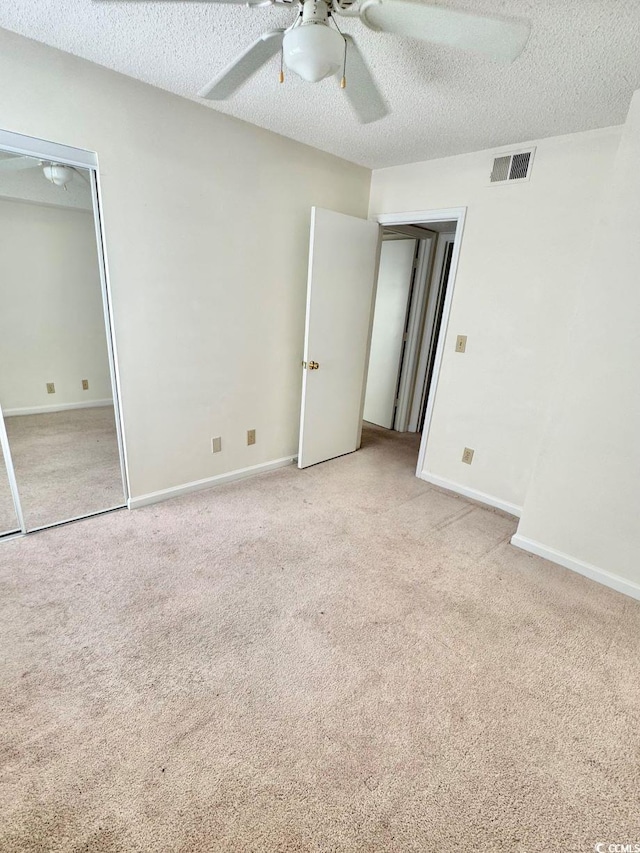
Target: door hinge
(304,364)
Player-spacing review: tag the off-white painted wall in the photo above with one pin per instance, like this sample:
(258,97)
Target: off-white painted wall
(521,260)
(51,315)
(207,227)
(389,317)
(584,497)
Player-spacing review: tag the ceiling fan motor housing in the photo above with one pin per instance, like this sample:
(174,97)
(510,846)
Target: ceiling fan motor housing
(313,49)
(315,12)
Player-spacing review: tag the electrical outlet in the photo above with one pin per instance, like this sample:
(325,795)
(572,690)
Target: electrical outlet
(85,384)
(251,436)
(216,444)
(51,388)
(467,455)
(461,343)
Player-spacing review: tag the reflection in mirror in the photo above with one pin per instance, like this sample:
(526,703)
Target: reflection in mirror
(8,518)
(55,383)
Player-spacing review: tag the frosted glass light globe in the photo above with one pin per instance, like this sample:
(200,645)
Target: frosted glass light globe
(57,174)
(313,51)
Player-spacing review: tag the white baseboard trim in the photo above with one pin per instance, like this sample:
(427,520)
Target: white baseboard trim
(60,407)
(474,494)
(596,574)
(208,482)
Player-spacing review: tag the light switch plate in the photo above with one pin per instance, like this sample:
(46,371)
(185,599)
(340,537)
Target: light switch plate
(85,384)
(461,343)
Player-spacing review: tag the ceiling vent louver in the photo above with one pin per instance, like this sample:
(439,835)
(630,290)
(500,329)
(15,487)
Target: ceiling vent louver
(512,167)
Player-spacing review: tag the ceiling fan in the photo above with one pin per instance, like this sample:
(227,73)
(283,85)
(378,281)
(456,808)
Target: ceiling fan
(314,47)
(58,174)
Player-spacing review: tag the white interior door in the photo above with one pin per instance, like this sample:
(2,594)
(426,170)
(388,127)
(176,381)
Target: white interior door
(389,322)
(342,267)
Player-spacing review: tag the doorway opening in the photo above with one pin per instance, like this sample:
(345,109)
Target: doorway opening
(343,260)
(413,295)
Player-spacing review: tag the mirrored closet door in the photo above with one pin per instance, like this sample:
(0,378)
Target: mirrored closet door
(9,522)
(56,378)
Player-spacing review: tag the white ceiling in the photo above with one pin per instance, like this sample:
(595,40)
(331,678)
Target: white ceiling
(578,71)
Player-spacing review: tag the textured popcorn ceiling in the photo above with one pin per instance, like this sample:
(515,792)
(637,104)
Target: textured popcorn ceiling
(578,71)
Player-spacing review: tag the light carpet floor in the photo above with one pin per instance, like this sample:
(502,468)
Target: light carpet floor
(66,463)
(339,659)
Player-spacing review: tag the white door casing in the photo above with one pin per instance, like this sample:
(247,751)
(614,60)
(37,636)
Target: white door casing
(343,257)
(457,216)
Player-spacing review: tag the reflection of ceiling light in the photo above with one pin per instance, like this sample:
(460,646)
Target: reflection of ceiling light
(58,175)
(313,51)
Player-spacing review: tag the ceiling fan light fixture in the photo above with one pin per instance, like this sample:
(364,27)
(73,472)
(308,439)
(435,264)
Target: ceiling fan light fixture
(313,51)
(57,174)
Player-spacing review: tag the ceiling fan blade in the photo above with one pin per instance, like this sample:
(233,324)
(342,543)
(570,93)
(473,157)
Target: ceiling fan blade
(361,90)
(502,39)
(15,164)
(234,75)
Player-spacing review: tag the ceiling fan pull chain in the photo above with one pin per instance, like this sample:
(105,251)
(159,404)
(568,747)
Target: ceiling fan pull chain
(281,77)
(343,82)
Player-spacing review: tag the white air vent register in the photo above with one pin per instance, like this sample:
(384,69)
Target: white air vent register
(512,167)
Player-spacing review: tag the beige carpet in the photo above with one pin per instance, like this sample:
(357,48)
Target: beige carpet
(340,659)
(67,463)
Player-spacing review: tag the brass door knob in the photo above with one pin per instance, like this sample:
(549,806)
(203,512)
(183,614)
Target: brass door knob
(313,365)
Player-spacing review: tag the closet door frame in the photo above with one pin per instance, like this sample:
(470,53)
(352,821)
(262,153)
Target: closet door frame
(17,143)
